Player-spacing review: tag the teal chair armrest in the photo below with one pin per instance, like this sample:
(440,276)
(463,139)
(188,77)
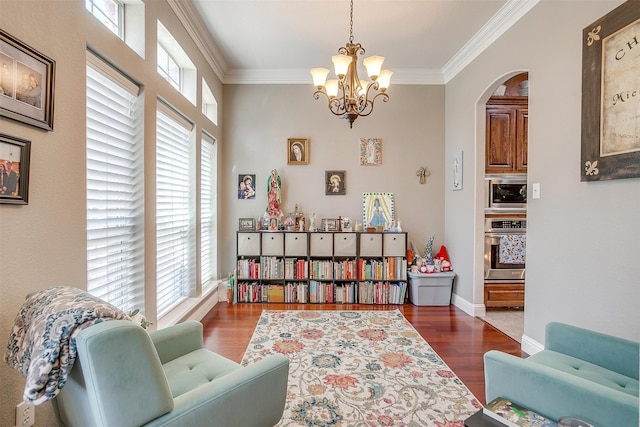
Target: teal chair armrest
(253,396)
(177,340)
(616,354)
(554,393)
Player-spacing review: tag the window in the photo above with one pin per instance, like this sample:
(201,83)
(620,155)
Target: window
(175,66)
(168,68)
(109,12)
(114,187)
(209,103)
(208,209)
(175,237)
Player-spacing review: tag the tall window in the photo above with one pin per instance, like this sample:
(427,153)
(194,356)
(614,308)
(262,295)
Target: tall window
(208,209)
(114,187)
(175,239)
(109,12)
(168,68)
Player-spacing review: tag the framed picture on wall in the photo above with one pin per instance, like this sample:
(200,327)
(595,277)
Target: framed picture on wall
(297,151)
(26,83)
(371,151)
(246,186)
(335,184)
(610,104)
(15,154)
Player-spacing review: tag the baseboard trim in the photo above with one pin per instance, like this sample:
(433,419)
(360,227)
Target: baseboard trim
(474,310)
(530,346)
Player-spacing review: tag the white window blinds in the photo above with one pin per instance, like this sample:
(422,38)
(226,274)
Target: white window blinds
(114,187)
(175,239)
(208,209)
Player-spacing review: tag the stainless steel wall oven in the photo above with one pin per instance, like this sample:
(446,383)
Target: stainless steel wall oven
(505,250)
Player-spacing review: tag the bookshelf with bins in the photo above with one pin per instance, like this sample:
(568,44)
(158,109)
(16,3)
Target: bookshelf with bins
(321,267)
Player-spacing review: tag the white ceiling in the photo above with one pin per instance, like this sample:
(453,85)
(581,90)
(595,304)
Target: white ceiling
(278,41)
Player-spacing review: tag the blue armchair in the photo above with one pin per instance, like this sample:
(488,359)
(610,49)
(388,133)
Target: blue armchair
(125,377)
(580,373)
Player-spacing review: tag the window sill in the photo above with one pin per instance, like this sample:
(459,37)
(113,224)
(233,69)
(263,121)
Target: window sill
(192,308)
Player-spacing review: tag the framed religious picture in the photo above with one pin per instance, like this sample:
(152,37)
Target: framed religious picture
(26,83)
(610,101)
(334,183)
(246,186)
(371,151)
(329,224)
(15,154)
(377,210)
(297,151)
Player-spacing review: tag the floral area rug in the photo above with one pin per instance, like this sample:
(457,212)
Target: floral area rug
(360,368)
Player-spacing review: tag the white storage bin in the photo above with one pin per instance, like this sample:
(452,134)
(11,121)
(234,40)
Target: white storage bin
(394,244)
(321,244)
(273,244)
(295,244)
(370,245)
(344,244)
(248,244)
(431,289)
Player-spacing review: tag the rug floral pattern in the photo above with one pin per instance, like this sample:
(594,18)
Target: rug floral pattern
(360,368)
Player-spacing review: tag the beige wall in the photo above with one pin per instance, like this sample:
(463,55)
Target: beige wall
(43,243)
(582,265)
(260,118)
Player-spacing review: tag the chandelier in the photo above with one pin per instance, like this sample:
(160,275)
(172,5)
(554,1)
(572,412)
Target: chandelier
(348,96)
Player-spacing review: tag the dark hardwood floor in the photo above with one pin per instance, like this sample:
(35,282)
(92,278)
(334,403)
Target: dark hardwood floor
(458,338)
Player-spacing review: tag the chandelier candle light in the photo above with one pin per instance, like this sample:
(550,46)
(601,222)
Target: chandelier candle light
(348,96)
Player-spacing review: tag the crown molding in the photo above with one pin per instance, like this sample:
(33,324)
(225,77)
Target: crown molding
(200,35)
(499,23)
(509,14)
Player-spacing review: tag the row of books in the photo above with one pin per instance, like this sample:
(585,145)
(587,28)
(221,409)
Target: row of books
(390,268)
(321,292)
(382,292)
(272,267)
(295,268)
(248,269)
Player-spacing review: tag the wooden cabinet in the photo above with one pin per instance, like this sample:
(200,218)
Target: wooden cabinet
(504,295)
(507,129)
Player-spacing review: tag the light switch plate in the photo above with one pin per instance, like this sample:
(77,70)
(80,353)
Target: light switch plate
(535,190)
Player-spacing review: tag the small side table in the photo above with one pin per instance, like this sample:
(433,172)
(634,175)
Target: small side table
(481,420)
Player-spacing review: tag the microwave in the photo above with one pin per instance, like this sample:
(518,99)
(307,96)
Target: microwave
(505,193)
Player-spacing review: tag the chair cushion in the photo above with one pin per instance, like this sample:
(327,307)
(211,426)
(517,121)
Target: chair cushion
(587,371)
(195,369)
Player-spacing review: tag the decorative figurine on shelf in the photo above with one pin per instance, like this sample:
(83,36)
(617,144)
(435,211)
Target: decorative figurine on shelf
(274,185)
(312,222)
(301,224)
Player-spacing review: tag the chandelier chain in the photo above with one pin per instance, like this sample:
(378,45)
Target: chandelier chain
(351,24)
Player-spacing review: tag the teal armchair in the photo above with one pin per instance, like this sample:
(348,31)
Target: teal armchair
(125,377)
(580,373)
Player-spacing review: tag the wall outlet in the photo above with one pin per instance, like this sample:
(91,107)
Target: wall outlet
(25,415)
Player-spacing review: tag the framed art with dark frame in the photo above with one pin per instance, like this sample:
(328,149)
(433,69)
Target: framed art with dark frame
(335,184)
(246,224)
(15,154)
(297,151)
(26,83)
(610,96)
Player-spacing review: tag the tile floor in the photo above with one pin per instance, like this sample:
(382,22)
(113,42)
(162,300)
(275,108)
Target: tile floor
(510,322)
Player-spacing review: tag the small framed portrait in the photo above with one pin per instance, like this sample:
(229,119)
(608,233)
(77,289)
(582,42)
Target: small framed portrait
(297,151)
(329,224)
(246,224)
(14,170)
(371,151)
(335,184)
(246,186)
(273,224)
(26,83)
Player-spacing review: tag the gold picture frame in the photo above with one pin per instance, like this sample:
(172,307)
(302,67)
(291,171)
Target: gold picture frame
(298,151)
(610,123)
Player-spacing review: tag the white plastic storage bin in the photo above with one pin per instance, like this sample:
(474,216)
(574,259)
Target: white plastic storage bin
(431,289)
